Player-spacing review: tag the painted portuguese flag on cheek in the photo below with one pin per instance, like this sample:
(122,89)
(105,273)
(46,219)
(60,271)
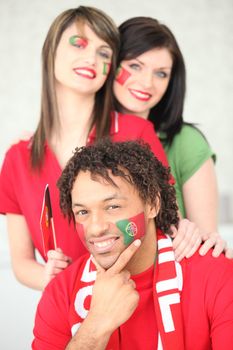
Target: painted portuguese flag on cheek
(132,228)
(122,75)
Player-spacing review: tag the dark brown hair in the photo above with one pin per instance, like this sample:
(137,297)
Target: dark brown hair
(141,34)
(104,28)
(133,161)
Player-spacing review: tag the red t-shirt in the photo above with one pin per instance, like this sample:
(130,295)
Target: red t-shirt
(22,191)
(206,300)
(53,321)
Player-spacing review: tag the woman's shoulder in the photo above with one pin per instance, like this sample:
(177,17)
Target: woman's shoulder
(21,147)
(188,152)
(132,127)
(189,133)
(190,140)
(18,149)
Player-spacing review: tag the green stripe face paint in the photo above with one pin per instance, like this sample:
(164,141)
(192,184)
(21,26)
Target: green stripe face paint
(106,68)
(132,228)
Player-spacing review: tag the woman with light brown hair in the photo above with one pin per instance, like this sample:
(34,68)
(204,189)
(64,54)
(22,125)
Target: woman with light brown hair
(79,65)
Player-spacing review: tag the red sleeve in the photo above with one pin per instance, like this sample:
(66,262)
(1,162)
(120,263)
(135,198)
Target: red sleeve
(132,127)
(222,309)
(52,329)
(8,181)
(149,136)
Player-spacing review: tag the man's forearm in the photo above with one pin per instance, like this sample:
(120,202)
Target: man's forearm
(90,336)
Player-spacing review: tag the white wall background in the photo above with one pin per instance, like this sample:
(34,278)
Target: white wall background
(203,29)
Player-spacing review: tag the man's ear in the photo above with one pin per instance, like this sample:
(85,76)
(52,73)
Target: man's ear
(153,209)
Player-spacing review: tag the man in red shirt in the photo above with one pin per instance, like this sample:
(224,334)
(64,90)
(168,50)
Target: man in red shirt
(129,292)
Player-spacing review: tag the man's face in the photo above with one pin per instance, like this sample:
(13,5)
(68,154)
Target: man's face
(108,218)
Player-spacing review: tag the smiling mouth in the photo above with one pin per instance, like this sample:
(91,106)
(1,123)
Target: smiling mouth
(85,72)
(140,95)
(104,245)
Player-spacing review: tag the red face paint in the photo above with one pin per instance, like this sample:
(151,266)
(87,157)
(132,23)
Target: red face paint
(122,75)
(132,228)
(106,68)
(77,41)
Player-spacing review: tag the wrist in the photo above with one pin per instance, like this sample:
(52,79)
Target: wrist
(92,334)
(100,326)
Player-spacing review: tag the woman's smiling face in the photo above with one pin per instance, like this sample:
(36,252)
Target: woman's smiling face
(142,82)
(82,60)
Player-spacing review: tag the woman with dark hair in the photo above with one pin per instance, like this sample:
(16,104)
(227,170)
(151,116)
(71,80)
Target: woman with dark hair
(79,64)
(153,87)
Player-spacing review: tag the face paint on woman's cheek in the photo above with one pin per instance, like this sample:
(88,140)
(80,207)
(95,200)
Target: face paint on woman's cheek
(106,68)
(132,228)
(122,75)
(81,233)
(75,40)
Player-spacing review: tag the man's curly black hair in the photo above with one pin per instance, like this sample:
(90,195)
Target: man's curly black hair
(131,160)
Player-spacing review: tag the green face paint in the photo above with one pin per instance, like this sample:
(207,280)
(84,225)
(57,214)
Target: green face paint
(77,41)
(132,228)
(106,68)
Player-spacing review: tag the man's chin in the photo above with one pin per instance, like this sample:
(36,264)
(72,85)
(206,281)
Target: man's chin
(106,261)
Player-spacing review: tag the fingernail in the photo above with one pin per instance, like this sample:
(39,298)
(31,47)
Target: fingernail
(137,242)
